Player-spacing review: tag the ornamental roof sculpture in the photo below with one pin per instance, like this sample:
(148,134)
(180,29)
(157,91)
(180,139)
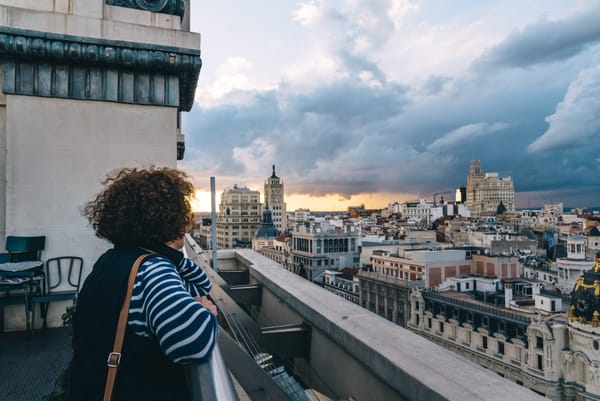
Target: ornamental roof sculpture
(173,7)
(585,298)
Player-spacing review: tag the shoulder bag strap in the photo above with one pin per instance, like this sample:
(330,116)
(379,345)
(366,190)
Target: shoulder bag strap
(114,358)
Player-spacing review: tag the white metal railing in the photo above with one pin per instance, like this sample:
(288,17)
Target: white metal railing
(211,381)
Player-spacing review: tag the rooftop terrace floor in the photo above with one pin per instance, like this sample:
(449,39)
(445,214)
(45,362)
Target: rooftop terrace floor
(30,365)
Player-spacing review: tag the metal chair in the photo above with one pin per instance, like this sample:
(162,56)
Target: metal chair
(62,278)
(21,252)
(21,249)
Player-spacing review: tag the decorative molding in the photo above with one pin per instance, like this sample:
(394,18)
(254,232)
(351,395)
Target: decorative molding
(44,64)
(174,7)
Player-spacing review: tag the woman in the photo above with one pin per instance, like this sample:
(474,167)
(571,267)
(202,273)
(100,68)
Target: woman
(170,321)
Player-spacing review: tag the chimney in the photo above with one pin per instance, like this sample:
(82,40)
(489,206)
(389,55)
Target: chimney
(508,293)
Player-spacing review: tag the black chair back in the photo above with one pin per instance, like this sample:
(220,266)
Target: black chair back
(62,275)
(21,249)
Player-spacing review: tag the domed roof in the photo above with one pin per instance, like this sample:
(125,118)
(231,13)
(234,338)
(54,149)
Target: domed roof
(267,228)
(585,298)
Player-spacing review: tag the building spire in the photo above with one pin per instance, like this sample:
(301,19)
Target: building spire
(273,176)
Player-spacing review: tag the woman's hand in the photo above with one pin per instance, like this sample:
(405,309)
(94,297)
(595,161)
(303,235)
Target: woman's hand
(208,304)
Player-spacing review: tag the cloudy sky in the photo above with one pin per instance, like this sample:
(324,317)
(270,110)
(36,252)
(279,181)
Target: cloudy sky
(370,101)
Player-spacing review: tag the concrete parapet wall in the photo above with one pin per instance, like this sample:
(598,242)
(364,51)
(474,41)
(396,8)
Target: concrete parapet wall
(359,354)
(107,22)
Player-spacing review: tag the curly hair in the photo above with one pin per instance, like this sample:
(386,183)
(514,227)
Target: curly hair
(142,207)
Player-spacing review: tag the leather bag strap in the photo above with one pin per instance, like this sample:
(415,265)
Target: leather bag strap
(114,358)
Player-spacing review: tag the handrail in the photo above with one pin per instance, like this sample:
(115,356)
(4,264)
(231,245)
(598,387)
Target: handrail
(210,380)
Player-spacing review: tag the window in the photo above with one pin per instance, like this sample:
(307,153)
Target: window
(540,366)
(539,342)
(500,347)
(429,322)
(441,327)
(484,342)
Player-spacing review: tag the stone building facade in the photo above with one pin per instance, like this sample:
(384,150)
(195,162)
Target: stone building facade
(238,217)
(318,246)
(537,346)
(386,295)
(486,191)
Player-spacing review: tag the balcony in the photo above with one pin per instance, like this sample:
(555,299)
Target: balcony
(328,346)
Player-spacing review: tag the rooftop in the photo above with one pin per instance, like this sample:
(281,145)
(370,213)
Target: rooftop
(29,366)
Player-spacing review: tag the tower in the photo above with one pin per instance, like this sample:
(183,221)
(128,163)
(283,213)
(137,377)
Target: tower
(274,197)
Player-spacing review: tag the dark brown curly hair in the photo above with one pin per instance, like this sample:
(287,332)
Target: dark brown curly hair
(142,207)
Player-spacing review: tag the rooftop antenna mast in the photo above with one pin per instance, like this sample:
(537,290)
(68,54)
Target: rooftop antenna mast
(213,224)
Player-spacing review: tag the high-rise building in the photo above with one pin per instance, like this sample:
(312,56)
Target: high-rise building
(486,191)
(274,200)
(238,218)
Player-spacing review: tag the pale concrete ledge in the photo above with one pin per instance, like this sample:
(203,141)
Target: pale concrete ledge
(413,366)
(126,25)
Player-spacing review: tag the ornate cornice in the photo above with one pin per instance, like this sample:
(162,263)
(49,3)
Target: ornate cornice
(98,62)
(174,7)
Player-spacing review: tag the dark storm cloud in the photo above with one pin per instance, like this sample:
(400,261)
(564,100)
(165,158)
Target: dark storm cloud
(544,41)
(305,130)
(349,138)
(364,132)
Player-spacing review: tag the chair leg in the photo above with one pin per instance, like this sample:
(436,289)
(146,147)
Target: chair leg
(28,310)
(32,317)
(44,311)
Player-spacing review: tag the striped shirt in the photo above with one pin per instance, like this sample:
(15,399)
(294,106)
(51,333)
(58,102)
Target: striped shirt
(162,305)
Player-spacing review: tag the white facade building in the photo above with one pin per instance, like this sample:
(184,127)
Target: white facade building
(238,217)
(318,246)
(574,265)
(418,211)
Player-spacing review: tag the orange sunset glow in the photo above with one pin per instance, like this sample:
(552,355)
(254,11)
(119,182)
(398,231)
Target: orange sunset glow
(330,202)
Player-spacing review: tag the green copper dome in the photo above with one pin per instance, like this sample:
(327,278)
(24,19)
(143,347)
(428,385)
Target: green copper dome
(585,298)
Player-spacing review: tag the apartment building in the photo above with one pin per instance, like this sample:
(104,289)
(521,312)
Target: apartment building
(238,217)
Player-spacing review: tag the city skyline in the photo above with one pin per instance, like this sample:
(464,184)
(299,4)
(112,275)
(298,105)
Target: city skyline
(390,100)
